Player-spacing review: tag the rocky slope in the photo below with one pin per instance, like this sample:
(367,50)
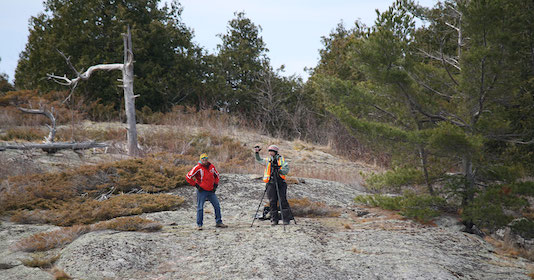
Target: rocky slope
(359,244)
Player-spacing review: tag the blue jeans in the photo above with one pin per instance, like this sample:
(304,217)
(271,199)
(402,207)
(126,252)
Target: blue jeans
(201,199)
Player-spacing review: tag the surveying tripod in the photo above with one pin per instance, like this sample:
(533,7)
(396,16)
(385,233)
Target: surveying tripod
(274,176)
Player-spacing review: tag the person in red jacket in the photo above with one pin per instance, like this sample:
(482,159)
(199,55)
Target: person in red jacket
(205,178)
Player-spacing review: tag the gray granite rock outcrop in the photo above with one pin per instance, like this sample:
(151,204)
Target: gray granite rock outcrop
(359,244)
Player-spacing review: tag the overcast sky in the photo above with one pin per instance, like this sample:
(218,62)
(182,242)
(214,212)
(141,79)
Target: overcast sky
(291,29)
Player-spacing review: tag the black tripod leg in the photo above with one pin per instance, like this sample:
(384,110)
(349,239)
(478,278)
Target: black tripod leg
(261,200)
(291,213)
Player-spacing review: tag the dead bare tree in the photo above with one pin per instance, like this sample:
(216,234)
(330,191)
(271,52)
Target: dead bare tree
(127,85)
(49,114)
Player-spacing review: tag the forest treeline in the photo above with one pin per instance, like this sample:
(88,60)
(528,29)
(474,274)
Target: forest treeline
(442,95)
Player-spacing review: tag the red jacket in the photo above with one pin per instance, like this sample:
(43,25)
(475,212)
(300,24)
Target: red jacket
(203,175)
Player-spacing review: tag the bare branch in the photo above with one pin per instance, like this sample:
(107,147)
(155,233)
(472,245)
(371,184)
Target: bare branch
(58,79)
(432,117)
(454,61)
(86,74)
(391,115)
(48,114)
(67,59)
(452,26)
(445,59)
(516,141)
(417,80)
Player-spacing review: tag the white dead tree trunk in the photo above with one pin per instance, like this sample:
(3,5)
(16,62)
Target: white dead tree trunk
(129,97)
(127,84)
(48,114)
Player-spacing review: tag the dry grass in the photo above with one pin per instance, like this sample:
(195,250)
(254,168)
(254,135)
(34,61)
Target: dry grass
(11,116)
(59,274)
(225,151)
(24,133)
(89,210)
(40,260)
(47,191)
(45,241)
(210,120)
(80,133)
(342,175)
(81,196)
(129,224)
(303,207)
(508,248)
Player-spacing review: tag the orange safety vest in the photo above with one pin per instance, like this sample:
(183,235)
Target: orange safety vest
(267,172)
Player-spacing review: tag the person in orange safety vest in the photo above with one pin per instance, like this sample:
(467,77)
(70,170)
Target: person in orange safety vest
(275,170)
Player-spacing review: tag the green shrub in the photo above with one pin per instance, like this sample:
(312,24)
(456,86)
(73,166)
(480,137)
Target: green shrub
(394,179)
(380,200)
(422,208)
(502,173)
(523,188)
(487,210)
(524,227)
(447,138)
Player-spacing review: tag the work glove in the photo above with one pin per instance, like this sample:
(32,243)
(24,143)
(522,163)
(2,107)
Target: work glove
(198,187)
(215,187)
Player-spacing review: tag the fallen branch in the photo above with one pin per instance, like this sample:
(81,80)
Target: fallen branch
(54,147)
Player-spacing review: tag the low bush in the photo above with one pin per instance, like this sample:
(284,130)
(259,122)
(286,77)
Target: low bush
(422,208)
(24,134)
(490,209)
(303,207)
(40,260)
(45,241)
(523,188)
(52,101)
(129,224)
(524,227)
(88,211)
(147,116)
(71,197)
(393,179)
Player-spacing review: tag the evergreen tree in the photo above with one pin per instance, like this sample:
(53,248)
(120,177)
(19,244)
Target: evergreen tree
(451,90)
(5,85)
(241,60)
(89,32)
